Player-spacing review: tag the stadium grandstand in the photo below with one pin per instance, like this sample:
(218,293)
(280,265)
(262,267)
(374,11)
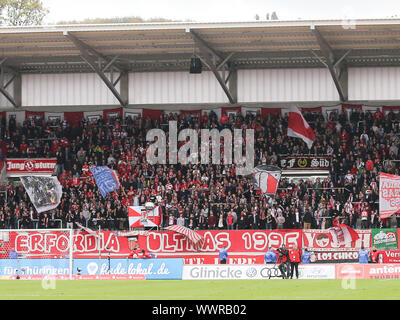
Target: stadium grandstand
(87,94)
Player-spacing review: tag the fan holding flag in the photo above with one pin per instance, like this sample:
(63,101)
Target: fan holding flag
(106,179)
(342,234)
(299,128)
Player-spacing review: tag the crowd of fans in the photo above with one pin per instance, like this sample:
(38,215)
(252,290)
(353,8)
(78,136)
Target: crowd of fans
(206,196)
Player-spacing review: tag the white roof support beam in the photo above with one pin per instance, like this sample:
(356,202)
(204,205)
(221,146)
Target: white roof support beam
(85,51)
(210,56)
(336,65)
(16,78)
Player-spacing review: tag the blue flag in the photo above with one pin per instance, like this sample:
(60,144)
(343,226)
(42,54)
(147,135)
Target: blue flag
(106,179)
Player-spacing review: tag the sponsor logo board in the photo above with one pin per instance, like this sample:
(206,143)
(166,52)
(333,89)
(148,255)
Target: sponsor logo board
(384,238)
(150,268)
(367,271)
(253,272)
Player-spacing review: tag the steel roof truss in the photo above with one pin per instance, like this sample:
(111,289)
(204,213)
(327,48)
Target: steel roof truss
(209,57)
(4,84)
(84,50)
(336,66)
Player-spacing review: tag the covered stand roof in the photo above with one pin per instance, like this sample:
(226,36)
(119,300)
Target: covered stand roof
(169,46)
(123,48)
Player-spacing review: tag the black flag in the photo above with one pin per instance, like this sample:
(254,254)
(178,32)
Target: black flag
(44,192)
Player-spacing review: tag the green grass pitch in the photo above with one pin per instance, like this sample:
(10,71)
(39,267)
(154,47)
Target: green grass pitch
(203,290)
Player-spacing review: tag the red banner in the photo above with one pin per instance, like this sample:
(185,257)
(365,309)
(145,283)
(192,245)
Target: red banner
(390,256)
(265,112)
(244,246)
(53,244)
(73,118)
(18,167)
(237,241)
(321,240)
(152,114)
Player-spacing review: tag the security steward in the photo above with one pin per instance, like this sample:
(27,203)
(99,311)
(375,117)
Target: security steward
(294,256)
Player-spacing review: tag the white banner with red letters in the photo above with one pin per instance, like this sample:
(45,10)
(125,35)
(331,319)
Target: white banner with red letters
(26,167)
(389,195)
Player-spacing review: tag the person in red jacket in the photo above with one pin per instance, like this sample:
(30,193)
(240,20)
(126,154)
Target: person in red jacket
(145,255)
(294,256)
(134,253)
(374,255)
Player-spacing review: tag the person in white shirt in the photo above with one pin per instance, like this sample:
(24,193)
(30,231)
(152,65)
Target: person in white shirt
(349,177)
(171,219)
(280,221)
(136,201)
(204,211)
(364,137)
(348,206)
(323,224)
(364,219)
(180,221)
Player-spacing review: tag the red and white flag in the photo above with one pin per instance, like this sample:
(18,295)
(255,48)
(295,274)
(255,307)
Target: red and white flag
(194,238)
(140,217)
(389,195)
(343,234)
(266,178)
(88,230)
(299,128)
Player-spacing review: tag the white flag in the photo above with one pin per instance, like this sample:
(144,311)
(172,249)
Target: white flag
(389,195)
